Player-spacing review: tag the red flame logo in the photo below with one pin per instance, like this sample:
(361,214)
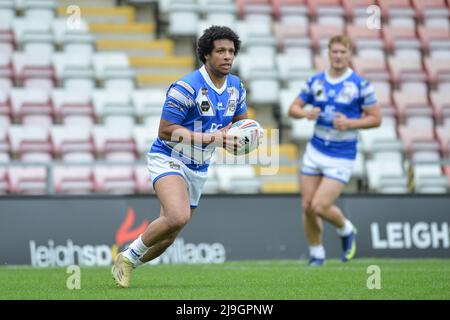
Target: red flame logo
(124,234)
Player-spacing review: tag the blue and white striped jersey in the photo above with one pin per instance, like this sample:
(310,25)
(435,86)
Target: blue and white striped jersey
(349,95)
(195,103)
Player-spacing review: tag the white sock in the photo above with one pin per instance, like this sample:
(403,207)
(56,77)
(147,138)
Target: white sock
(136,249)
(346,229)
(137,263)
(317,251)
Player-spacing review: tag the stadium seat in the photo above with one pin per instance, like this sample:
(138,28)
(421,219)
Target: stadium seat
(434,38)
(400,37)
(377,171)
(143,183)
(321,34)
(183,18)
(291,35)
(371,68)
(437,69)
(32,107)
(441,104)
(263,88)
(404,68)
(238,179)
(443,136)
(363,37)
(248,7)
(28,179)
(219,10)
(113,103)
(115,145)
(31,144)
(412,100)
(416,139)
(302,129)
(5,146)
(73,179)
(319,8)
(148,101)
(357,8)
(430,8)
(383,93)
(73,107)
(5,110)
(396,8)
(283,8)
(144,136)
(115,179)
(73,143)
(4,184)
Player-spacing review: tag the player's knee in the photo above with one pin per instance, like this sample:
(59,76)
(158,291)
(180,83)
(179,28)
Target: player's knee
(178,220)
(319,207)
(307,208)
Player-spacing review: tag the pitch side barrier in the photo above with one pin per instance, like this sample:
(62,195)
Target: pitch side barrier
(90,230)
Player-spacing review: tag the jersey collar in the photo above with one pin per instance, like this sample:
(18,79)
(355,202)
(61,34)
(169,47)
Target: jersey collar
(331,80)
(208,80)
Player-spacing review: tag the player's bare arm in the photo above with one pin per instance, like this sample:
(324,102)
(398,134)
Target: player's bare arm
(370,119)
(297,111)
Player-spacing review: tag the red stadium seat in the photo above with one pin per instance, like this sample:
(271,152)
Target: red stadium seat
(320,35)
(371,68)
(28,180)
(418,139)
(5,110)
(325,7)
(383,92)
(115,179)
(73,107)
(434,37)
(437,69)
(253,7)
(289,7)
(73,180)
(440,100)
(412,102)
(143,183)
(396,8)
(398,37)
(73,143)
(363,37)
(291,35)
(443,136)
(403,68)
(5,146)
(114,145)
(32,144)
(32,107)
(422,7)
(4,184)
(356,7)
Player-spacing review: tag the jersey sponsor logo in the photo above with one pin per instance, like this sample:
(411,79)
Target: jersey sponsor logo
(319,91)
(204,104)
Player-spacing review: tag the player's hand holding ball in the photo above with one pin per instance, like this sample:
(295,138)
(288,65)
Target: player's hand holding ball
(244,137)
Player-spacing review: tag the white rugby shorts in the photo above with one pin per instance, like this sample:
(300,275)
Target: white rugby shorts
(315,163)
(160,165)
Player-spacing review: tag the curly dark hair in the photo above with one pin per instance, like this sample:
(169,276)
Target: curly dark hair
(206,42)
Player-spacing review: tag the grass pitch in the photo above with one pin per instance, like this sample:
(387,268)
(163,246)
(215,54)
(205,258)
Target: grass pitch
(253,280)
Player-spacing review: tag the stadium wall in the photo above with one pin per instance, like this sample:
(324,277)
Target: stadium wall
(60,231)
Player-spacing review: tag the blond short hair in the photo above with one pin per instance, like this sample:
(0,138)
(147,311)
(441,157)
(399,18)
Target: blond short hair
(342,39)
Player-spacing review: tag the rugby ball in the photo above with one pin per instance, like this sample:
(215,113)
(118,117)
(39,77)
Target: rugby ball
(250,133)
